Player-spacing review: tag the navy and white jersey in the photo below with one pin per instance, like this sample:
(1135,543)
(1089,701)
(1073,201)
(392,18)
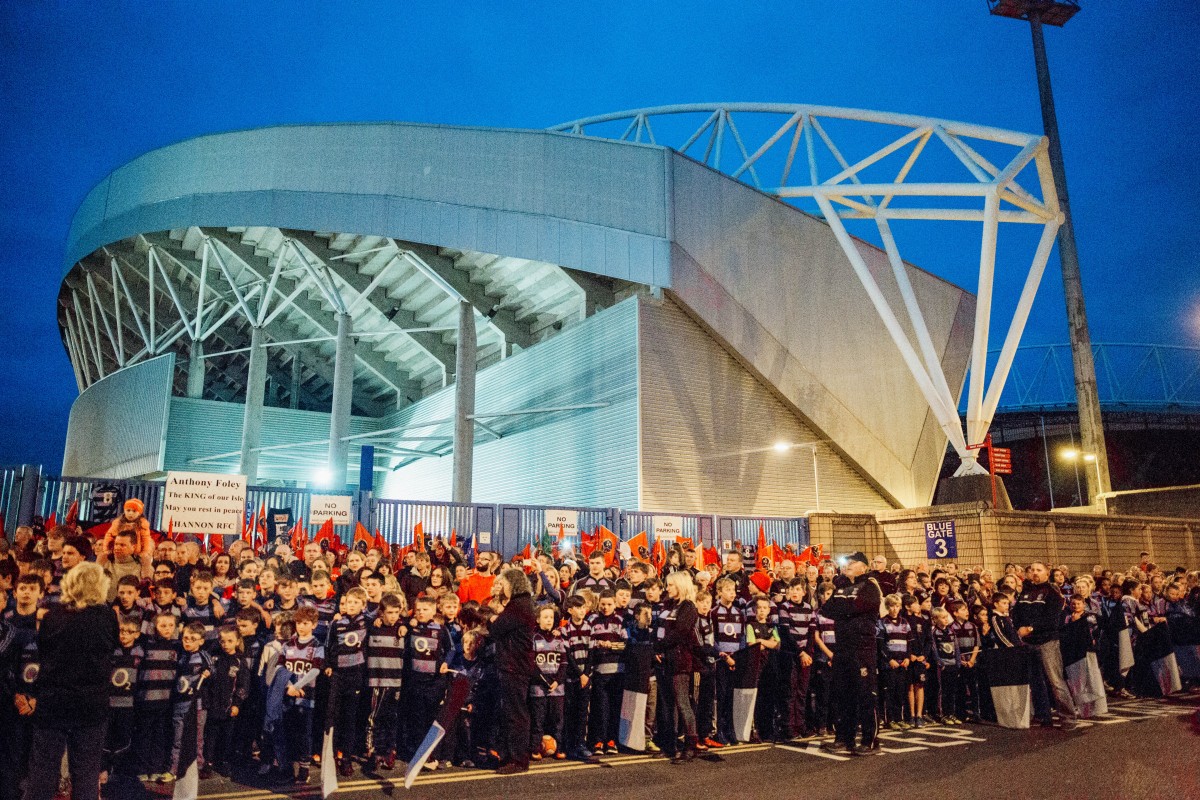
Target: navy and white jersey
(153,610)
(824,631)
(895,639)
(156,673)
(945,646)
(550,653)
(748,610)
(189,674)
(579,644)
(326,611)
(305,660)
(611,630)
(795,626)
(348,642)
(729,627)
(597,585)
(125,663)
(385,656)
(966,637)
(428,648)
(27,668)
(707,637)
(921,642)
(204,614)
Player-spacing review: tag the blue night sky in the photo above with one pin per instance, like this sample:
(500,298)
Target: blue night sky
(87,86)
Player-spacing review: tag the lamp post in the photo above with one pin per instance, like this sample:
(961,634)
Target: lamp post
(1087,397)
(783,447)
(1087,458)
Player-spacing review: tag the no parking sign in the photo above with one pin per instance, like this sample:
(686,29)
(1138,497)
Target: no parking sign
(940,540)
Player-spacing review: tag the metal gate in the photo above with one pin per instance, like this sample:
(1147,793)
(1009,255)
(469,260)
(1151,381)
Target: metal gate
(396,520)
(524,525)
(12,482)
(698,527)
(783,531)
(57,494)
(260,498)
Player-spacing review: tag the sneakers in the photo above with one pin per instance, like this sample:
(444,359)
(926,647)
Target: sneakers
(894,726)
(611,748)
(918,722)
(559,755)
(651,747)
(712,743)
(535,756)
(432,764)
(836,748)
(166,777)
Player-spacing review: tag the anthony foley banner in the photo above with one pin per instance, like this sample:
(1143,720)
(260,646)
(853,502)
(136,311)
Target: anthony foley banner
(202,502)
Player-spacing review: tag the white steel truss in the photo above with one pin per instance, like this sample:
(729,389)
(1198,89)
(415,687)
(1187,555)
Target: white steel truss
(980,191)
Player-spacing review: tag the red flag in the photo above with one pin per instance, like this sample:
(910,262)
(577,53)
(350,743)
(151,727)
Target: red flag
(686,543)
(419,537)
(639,547)
(260,528)
(325,534)
(712,556)
(72,515)
(587,543)
(762,556)
(453,538)
(52,522)
(776,554)
(361,535)
(821,555)
(525,554)
(609,544)
(98,531)
(658,555)
(380,544)
(298,536)
(215,543)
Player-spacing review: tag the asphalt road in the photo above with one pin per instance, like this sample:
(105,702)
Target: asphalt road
(1143,749)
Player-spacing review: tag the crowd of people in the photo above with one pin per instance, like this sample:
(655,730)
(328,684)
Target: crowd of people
(256,654)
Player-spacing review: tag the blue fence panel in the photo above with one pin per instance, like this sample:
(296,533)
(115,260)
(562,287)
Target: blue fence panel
(11,481)
(396,520)
(783,531)
(524,525)
(298,500)
(57,494)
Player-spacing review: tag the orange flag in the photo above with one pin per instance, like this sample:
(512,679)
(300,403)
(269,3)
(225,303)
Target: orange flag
(777,554)
(762,556)
(587,543)
(361,535)
(325,533)
(216,543)
(639,546)
(658,555)
(380,544)
(686,543)
(712,556)
(298,536)
(609,545)
(526,553)
(419,537)
(52,522)
(453,537)
(72,515)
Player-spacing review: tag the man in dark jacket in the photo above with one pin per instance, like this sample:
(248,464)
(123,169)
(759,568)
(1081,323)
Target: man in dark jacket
(854,608)
(512,635)
(1038,615)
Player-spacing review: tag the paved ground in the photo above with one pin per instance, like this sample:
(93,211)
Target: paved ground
(1143,749)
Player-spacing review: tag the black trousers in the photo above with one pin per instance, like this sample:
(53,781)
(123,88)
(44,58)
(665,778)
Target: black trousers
(575,716)
(514,718)
(706,700)
(154,735)
(382,720)
(346,735)
(84,748)
(723,678)
(793,688)
(421,697)
(545,718)
(607,689)
(895,684)
(856,693)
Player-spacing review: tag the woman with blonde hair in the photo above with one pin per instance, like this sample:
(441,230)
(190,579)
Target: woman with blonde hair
(676,649)
(76,641)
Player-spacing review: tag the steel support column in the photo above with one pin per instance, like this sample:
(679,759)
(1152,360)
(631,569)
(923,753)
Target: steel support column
(343,395)
(464,404)
(297,379)
(1091,426)
(195,372)
(256,385)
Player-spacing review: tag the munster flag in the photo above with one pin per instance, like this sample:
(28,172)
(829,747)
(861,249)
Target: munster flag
(639,547)
(187,785)
(329,776)
(361,535)
(587,543)
(608,542)
(745,692)
(1082,669)
(448,712)
(1006,670)
(639,666)
(762,555)
(712,556)
(658,555)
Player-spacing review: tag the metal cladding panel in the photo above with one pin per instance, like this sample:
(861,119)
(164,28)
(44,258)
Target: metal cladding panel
(577,458)
(590,204)
(708,427)
(774,286)
(201,428)
(118,424)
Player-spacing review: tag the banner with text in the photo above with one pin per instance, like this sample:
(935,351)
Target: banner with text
(941,540)
(202,502)
(667,529)
(325,507)
(569,520)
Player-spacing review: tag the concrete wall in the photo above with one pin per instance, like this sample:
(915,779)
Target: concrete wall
(992,539)
(708,427)
(775,287)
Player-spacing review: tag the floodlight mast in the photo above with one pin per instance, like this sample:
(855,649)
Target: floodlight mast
(1091,426)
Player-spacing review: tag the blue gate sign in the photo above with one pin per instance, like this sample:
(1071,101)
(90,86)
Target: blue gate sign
(940,541)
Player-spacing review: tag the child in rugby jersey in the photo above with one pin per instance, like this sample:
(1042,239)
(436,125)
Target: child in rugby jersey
(425,664)
(968,641)
(195,667)
(895,656)
(945,648)
(247,726)
(920,654)
(346,651)
(577,634)
(202,606)
(125,662)
(822,711)
(302,656)
(705,663)
(19,678)
(795,660)
(385,671)
(608,637)
(763,642)
(129,598)
(324,601)
(547,692)
(162,602)
(225,695)
(729,631)
(152,697)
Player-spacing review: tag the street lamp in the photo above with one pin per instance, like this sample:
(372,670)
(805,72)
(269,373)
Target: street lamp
(1087,396)
(1073,455)
(783,447)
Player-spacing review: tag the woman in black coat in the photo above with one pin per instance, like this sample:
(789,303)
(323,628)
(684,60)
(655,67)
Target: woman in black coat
(76,640)
(675,650)
(511,633)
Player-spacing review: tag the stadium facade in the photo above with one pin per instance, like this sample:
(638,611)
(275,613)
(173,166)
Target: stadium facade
(647,328)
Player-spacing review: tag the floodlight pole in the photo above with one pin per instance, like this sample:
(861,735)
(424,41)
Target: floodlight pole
(1091,426)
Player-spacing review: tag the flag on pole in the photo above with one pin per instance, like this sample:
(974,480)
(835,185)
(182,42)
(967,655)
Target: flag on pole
(448,712)
(1007,673)
(687,543)
(639,666)
(639,547)
(453,537)
(608,542)
(419,537)
(762,556)
(380,544)
(52,522)
(777,554)
(658,556)
(525,554)
(329,776)
(260,529)
(745,693)
(361,534)
(711,556)
(587,543)
(298,536)
(72,515)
